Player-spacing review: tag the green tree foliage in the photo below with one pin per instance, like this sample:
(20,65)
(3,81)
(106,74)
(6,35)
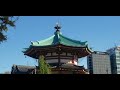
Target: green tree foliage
(5,22)
(44,68)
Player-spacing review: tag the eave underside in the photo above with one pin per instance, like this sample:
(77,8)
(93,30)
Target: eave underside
(35,52)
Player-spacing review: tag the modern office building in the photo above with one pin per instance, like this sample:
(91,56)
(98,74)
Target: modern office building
(99,63)
(115,59)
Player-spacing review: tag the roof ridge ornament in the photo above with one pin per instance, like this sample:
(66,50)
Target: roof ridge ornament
(57,27)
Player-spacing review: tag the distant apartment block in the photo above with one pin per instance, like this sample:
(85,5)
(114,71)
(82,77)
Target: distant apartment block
(115,59)
(99,63)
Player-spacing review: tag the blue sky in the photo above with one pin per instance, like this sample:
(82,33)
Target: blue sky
(101,32)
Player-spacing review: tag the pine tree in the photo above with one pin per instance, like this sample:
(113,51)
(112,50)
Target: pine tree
(44,68)
(5,22)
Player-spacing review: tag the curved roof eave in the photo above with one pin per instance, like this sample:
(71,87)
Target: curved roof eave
(56,39)
(88,49)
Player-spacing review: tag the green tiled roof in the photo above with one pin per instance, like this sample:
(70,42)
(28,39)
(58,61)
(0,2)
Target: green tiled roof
(58,38)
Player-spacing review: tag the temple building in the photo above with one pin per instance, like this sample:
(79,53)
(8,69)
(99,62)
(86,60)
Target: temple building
(60,52)
(22,69)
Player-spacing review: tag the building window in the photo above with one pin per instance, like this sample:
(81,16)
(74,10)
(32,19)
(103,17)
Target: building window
(117,60)
(118,63)
(118,67)
(118,72)
(117,57)
(89,61)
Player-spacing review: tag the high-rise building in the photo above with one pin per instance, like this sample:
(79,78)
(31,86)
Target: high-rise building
(115,59)
(99,63)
